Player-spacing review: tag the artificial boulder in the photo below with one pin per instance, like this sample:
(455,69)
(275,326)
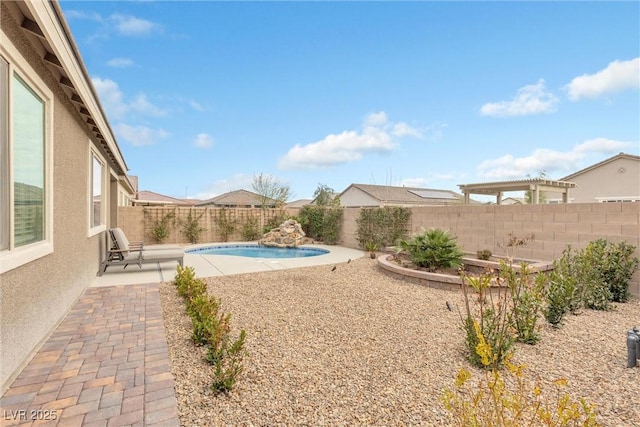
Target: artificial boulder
(288,235)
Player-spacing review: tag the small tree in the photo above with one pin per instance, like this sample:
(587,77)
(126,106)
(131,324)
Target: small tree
(270,190)
(325,196)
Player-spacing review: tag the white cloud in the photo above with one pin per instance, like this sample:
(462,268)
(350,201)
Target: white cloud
(203,140)
(348,146)
(76,14)
(546,160)
(618,76)
(196,105)
(402,129)
(128,25)
(110,96)
(236,182)
(140,135)
(120,62)
(602,145)
(531,99)
(116,106)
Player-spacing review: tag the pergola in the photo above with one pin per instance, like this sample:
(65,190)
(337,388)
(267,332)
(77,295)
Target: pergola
(535,185)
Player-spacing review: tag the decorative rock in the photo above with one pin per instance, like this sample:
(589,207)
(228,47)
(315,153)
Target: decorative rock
(288,235)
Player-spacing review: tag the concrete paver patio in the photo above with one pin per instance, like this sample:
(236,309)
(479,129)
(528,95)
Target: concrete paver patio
(107,363)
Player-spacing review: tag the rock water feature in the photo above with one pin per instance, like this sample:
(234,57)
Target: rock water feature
(288,235)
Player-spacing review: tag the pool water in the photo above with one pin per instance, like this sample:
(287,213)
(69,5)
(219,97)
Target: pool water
(257,251)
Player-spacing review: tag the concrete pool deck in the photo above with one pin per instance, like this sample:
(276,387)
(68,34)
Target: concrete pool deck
(220,265)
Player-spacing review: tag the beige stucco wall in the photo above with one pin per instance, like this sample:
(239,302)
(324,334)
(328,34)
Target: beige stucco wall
(35,297)
(356,197)
(618,178)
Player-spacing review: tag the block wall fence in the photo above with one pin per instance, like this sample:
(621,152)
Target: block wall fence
(554,226)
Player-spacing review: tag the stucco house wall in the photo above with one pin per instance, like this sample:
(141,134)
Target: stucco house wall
(36,296)
(354,197)
(617,178)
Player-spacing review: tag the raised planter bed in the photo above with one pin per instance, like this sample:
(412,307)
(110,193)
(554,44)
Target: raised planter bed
(388,264)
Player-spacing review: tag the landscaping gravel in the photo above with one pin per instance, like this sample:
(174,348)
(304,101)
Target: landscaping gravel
(356,347)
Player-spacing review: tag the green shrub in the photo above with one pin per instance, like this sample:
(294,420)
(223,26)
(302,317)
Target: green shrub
(614,265)
(160,228)
(191,227)
(488,321)
(516,401)
(382,226)
(527,299)
(322,223)
(275,221)
(226,224)
(564,292)
(250,229)
(211,327)
(433,249)
(228,366)
(484,254)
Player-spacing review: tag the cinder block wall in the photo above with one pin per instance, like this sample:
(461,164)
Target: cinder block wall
(137,221)
(553,226)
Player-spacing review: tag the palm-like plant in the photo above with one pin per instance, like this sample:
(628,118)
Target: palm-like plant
(433,249)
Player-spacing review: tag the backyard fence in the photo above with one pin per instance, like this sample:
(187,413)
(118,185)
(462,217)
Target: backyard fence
(477,227)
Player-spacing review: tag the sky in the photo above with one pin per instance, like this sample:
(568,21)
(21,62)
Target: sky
(203,96)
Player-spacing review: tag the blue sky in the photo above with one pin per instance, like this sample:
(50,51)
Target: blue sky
(204,95)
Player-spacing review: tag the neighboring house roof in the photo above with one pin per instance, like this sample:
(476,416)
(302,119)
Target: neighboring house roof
(237,198)
(298,203)
(602,163)
(149,198)
(26,194)
(514,201)
(391,195)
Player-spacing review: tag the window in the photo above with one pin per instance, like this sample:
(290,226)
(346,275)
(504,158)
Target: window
(26,218)
(96,209)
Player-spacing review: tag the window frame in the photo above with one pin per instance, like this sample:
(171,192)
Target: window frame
(102,226)
(13,257)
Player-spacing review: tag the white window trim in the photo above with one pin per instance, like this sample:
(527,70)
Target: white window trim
(15,257)
(93,230)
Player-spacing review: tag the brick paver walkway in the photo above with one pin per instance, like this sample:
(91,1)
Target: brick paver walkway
(107,364)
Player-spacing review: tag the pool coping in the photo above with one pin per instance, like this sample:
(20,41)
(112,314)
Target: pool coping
(221,265)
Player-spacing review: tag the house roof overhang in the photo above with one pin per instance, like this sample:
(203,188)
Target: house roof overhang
(43,22)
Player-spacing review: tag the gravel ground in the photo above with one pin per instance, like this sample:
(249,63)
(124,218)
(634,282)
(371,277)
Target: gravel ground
(356,347)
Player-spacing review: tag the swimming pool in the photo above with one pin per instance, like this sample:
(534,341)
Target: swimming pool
(257,251)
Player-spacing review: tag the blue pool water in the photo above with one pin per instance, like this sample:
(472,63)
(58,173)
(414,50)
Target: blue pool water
(256,251)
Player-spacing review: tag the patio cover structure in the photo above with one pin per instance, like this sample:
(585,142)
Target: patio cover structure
(535,185)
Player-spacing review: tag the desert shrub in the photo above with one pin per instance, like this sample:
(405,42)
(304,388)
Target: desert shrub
(484,254)
(275,221)
(564,291)
(212,327)
(488,319)
(250,229)
(516,401)
(228,366)
(612,267)
(322,223)
(382,226)
(527,293)
(433,249)
(225,223)
(160,228)
(191,227)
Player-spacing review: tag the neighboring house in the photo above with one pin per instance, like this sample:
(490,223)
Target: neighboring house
(514,201)
(298,203)
(61,177)
(238,199)
(149,198)
(616,179)
(366,195)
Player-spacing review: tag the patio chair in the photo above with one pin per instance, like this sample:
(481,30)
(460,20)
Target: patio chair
(123,252)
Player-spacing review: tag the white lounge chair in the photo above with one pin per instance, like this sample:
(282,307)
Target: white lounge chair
(123,252)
